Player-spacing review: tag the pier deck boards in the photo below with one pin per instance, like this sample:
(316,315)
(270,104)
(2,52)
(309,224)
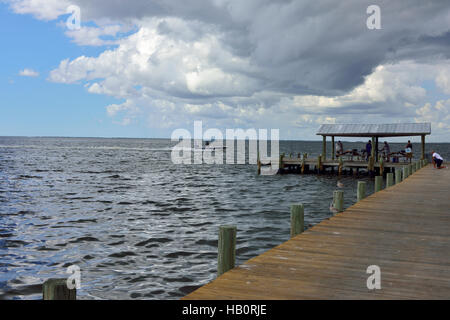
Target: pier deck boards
(404,229)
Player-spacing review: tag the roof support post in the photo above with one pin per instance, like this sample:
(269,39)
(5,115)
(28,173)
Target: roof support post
(373,147)
(324,148)
(333,150)
(423,147)
(376,149)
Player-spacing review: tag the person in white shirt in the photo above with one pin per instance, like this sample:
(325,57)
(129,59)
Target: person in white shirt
(437,159)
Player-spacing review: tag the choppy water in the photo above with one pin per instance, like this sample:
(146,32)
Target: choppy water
(138,226)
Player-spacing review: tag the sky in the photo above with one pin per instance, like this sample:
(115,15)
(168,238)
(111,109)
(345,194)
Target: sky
(143,68)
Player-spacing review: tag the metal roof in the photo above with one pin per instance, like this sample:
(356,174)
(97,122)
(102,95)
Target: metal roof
(375,130)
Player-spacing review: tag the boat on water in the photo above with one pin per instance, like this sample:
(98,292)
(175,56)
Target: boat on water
(209,145)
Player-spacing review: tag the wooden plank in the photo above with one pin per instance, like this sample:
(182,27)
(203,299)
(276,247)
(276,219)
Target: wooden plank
(405,230)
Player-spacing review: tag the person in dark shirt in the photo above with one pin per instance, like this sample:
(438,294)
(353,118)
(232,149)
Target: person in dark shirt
(408,151)
(409,145)
(368,150)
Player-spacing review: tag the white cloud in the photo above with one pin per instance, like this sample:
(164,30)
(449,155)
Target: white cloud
(92,36)
(443,80)
(28,73)
(41,9)
(438,115)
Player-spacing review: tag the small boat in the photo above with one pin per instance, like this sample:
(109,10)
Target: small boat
(208,146)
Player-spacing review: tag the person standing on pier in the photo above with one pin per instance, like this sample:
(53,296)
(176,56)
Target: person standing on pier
(408,151)
(409,145)
(386,151)
(437,160)
(368,150)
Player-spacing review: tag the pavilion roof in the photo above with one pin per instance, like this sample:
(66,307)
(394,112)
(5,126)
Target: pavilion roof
(375,130)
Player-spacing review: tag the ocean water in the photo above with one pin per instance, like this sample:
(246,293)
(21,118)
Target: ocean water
(137,225)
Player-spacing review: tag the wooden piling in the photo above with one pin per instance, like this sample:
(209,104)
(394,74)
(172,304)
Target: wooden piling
(319,164)
(341,165)
(226,249)
(381,160)
(338,200)
(405,172)
(361,191)
(280,164)
(297,219)
(398,176)
(259,165)
(378,183)
(56,289)
(371,165)
(389,180)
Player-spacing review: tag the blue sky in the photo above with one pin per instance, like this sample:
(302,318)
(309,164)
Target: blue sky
(144,68)
(34,106)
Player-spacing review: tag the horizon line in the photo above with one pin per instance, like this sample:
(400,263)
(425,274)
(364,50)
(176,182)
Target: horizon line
(166,138)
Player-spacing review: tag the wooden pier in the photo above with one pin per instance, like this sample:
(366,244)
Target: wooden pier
(317,165)
(353,159)
(404,230)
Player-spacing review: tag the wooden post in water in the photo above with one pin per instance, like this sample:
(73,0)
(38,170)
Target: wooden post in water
(398,176)
(417,166)
(227,249)
(371,165)
(259,164)
(341,165)
(410,169)
(319,164)
(297,219)
(381,160)
(405,172)
(280,164)
(56,289)
(378,183)
(338,200)
(361,191)
(389,179)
